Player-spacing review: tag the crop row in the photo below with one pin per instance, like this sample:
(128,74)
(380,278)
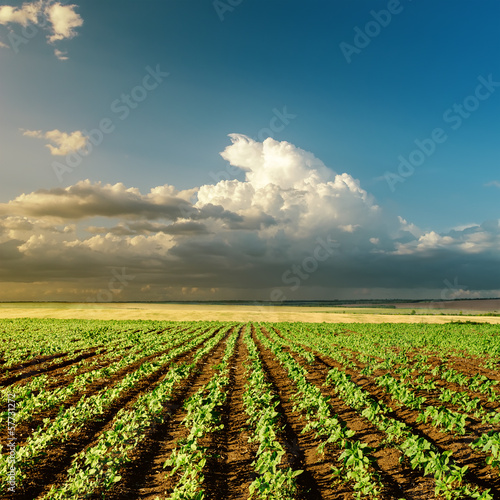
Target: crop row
(189,457)
(421,453)
(29,402)
(30,338)
(71,420)
(96,467)
(273,480)
(355,462)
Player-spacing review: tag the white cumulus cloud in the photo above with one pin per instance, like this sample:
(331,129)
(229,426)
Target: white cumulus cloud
(64,20)
(60,143)
(293,187)
(27,13)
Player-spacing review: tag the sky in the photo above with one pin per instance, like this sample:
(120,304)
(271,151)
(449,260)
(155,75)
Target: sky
(249,150)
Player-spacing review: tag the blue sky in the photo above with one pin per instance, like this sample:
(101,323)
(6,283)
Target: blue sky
(308,74)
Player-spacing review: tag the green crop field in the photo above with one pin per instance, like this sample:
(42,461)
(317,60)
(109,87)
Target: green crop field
(226,410)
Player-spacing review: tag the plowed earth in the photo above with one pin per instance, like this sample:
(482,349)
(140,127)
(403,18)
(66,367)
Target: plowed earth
(229,469)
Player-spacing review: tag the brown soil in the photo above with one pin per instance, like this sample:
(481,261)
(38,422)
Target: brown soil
(27,370)
(396,478)
(315,482)
(485,305)
(229,470)
(145,477)
(58,458)
(478,473)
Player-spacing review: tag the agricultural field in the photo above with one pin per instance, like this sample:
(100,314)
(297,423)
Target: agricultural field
(227,410)
(237,313)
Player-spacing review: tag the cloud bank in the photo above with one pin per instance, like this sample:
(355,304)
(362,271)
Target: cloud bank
(293,228)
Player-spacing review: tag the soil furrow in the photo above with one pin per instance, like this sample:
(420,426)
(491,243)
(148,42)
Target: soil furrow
(49,369)
(39,360)
(65,380)
(52,469)
(25,429)
(145,477)
(315,482)
(229,472)
(399,481)
(478,473)
(35,361)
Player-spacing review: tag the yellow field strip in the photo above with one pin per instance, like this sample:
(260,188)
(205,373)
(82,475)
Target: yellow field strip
(243,313)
